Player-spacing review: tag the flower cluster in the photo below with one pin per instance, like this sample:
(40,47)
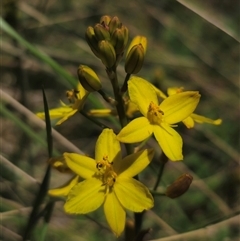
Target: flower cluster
(109,180)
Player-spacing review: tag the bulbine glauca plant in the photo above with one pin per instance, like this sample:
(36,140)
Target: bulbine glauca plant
(110,179)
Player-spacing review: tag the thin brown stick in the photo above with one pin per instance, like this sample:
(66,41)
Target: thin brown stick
(203,233)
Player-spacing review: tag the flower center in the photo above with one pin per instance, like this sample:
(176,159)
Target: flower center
(72,95)
(74,98)
(106,173)
(154,114)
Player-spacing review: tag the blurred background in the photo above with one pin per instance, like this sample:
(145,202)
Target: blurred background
(191,44)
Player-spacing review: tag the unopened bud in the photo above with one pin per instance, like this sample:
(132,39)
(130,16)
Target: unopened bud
(180,186)
(134,60)
(108,54)
(138,40)
(101,32)
(92,40)
(88,79)
(113,24)
(119,39)
(104,20)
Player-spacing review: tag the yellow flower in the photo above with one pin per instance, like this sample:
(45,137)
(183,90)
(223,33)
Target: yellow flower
(109,181)
(76,98)
(158,119)
(190,120)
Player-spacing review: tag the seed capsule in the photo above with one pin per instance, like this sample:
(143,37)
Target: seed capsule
(180,186)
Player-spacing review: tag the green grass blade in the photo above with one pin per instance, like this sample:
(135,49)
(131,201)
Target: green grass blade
(67,80)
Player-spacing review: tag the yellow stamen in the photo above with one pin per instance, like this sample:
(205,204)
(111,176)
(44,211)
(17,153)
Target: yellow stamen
(106,173)
(154,114)
(72,95)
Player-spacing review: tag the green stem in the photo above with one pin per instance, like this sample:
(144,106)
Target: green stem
(98,123)
(125,87)
(107,98)
(112,74)
(120,104)
(139,216)
(163,161)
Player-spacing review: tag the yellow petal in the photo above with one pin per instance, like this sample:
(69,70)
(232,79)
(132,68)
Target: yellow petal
(188,122)
(100,112)
(63,112)
(138,40)
(71,113)
(108,145)
(137,130)
(141,93)
(133,195)
(133,164)
(115,214)
(56,112)
(82,92)
(60,112)
(170,141)
(85,197)
(64,190)
(179,106)
(78,105)
(131,108)
(83,166)
(174,90)
(60,164)
(203,119)
(62,103)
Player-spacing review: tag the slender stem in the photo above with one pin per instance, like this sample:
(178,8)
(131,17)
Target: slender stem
(124,121)
(107,98)
(124,87)
(112,74)
(163,161)
(93,120)
(139,216)
(120,104)
(138,222)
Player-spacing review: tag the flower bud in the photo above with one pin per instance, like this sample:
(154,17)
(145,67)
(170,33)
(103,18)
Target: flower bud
(113,24)
(135,59)
(180,186)
(92,41)
(101,32)
(119,39)
(108,54)
(104,20)
(138,40)
(88,79)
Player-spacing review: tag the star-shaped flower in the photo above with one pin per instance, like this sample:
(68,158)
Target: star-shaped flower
(158,119)
(76,98)
(109,181)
